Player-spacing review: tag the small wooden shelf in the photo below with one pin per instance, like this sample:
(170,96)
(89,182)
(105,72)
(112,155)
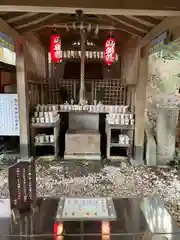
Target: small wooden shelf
(128,130)
(119,126)
(45,125)
(34,130)
(43,144)
(119,145)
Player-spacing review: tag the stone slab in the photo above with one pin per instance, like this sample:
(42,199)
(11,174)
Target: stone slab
(166,134)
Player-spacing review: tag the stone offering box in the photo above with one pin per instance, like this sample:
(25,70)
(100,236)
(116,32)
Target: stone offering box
(82,144)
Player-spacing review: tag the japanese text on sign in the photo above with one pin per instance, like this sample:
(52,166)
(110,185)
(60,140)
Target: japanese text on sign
(55,47)
(109,51)
(22,185)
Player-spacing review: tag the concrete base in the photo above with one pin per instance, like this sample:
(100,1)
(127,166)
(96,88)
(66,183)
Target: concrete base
(162,160)
(139,155)
(94,157)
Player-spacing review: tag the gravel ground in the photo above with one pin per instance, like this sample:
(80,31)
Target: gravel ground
(89,179)
(7,160)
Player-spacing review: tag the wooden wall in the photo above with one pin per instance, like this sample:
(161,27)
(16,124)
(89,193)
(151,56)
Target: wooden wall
(130,61)
(130,68)
(35,65)
(35,58)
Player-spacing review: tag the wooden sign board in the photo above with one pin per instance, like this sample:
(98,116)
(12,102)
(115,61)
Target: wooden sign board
(22,185)
(86,209)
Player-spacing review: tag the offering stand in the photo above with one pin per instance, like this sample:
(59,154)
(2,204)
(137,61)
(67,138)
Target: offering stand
(41,121)
(122,125)
(82,140)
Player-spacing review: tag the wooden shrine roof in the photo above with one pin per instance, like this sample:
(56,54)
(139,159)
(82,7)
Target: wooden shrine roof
(43,24)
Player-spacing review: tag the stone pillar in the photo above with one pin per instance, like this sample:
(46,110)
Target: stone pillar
(151,147)
(166,134)
(22,90)
(140,105)
(82,70)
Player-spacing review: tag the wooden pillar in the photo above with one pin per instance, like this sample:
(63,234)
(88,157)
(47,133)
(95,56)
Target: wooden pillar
(23,96)
(140,105)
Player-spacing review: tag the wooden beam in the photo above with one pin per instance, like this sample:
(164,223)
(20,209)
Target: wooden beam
(31,19)
(24,16)
(149,19)
(128,23)
(101,27)
(115,7)
(52,23)
(4,27)
(10,15)
(126,28)
(167,23)
(132,23)
(39,25)
(40,20)
(7,29)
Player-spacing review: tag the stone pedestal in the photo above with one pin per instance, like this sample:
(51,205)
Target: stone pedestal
(166,133)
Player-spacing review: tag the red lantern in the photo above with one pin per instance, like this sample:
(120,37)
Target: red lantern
(55,47)
(58,230)
(109,50)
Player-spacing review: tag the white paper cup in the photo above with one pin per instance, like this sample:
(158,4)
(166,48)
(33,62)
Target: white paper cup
(41,114)
(51,138)
(36,138)
(35,114)
(41,120)
(37,120)
(33,120)
(41,108)
(45,108)
(47,138)
(41,138)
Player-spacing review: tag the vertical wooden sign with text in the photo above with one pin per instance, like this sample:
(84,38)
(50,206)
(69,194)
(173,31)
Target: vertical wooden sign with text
(22,185)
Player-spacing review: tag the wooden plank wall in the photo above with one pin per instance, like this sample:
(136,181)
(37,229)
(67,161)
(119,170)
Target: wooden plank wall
(130,67)
(35,63)
(130,61)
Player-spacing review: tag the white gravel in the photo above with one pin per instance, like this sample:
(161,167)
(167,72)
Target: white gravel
(127,181)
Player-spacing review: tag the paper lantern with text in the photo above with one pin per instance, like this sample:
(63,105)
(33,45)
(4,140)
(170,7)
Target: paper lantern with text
(55,48)
(109,50)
